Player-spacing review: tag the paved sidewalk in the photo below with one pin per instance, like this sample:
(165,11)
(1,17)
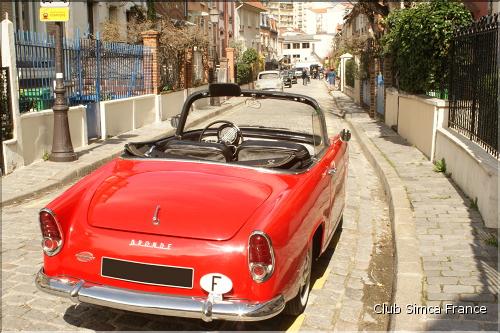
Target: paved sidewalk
(440,239)
(43,176)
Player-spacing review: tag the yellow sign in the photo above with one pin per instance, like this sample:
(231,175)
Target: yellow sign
(54,14)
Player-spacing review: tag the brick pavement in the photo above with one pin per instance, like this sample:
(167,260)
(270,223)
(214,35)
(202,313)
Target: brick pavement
(459,265)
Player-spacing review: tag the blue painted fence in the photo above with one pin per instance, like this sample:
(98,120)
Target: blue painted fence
(94,70)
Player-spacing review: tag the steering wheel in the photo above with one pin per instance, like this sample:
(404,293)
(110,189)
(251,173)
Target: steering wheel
(227,133)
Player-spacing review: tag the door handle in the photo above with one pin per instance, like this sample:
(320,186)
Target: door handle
(332,171)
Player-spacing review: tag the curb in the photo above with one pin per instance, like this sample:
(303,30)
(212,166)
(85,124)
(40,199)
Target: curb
(408,283)
(86,168)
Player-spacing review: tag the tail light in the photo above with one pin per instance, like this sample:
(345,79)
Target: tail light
(51,232)
(260,256)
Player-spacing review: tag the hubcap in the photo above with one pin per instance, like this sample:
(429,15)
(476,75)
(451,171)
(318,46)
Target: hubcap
(306,277)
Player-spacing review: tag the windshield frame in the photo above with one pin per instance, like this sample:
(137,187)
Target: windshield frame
(256,94)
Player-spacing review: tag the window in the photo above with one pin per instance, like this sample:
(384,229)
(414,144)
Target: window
(305,45)
(296,56)
(286,45)
(296,45)
(113,14)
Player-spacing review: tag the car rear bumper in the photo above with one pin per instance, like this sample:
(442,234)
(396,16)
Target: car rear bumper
(158,304)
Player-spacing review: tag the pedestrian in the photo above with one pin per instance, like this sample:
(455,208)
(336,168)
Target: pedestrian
(304,77)
(331,77)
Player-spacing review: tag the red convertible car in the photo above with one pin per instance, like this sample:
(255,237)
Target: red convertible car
(218,221)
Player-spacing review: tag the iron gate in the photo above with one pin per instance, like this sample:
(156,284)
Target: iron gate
(473,85)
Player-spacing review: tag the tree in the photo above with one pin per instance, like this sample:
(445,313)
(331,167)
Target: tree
(419,40)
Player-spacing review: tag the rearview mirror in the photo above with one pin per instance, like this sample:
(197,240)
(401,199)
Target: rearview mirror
(345,135)
(174,121)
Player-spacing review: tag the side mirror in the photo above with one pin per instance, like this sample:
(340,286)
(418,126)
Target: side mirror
(174,121)
(345,135)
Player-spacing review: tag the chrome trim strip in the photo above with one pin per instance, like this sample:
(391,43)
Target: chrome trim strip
(158,304)
(61,243)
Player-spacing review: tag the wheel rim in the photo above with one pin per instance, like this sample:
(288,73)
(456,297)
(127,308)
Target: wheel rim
(306,278)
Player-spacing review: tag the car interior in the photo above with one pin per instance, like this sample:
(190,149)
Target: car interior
(223,142)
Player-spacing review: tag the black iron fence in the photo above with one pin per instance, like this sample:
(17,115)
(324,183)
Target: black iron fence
(473,89)
(93,70)
(6,115)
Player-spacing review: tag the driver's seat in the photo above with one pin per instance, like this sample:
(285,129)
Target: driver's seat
(209,151)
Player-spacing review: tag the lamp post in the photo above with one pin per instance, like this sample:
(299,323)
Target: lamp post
(62,148)
(214,19)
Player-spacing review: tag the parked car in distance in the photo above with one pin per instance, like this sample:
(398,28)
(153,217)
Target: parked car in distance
(287,79)
(218,221)
(293,75)
(269,80)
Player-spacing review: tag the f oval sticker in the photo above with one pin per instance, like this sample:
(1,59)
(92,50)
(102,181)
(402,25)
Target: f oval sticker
(216,283)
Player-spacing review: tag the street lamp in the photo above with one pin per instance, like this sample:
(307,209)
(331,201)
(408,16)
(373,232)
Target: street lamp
(62,148)
(214,19)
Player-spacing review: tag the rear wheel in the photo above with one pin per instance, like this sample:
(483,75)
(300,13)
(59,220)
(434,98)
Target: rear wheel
(298,304)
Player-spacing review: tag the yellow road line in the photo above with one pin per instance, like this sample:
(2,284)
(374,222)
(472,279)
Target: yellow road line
(321,281)
(295,327)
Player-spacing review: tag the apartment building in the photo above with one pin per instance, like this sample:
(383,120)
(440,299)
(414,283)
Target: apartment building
(283,12)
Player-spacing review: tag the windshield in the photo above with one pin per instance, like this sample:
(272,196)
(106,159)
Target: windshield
(266,113)
(267,76)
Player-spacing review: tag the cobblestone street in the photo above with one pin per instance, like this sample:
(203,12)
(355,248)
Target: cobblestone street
(348,280)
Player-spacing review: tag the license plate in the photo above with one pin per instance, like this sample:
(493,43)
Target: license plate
(154,274)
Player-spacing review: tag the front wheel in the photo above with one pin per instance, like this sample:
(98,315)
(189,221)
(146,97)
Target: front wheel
(298,304)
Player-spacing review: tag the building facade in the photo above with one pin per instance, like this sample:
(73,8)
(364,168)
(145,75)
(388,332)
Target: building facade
(283,12)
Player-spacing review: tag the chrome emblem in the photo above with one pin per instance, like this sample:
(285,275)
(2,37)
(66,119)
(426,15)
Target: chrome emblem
(153,245)
(156,220)
(84,256)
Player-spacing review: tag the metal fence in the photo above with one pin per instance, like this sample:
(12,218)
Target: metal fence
(473,89)
(93,70)
(6,114)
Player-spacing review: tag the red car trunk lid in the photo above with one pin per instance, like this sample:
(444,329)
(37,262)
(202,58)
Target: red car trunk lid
(187,204)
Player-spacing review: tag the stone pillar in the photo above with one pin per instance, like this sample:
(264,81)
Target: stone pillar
(12,149)
(222,75)
(230,64)
(150,40)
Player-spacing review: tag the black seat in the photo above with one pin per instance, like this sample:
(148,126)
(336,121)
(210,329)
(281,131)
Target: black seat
(209,151)
(273,154)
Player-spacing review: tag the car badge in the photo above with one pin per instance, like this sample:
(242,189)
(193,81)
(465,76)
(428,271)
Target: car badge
(156,219)
(84,256)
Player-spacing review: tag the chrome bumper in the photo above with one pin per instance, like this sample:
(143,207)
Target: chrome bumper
(158,304)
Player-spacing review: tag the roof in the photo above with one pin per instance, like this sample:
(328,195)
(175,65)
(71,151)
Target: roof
(300,38)
(319,10)
(256,5)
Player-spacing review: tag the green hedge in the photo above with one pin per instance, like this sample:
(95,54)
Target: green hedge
(419,40)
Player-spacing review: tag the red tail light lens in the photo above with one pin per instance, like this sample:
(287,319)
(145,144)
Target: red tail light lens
(260,256)
(51,233)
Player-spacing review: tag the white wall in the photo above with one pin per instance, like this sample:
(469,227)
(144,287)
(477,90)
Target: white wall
(391,107)
(417,118)
(474,170)
(171,104)
(123,115)
(37,131)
